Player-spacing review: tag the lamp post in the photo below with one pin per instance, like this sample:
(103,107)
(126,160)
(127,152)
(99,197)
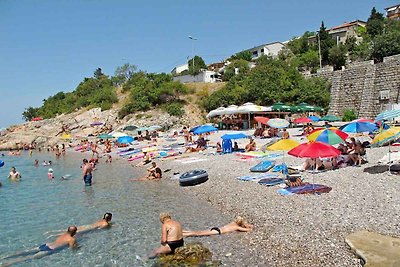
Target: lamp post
(193,39)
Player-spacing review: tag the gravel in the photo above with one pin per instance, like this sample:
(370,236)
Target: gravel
(298,230)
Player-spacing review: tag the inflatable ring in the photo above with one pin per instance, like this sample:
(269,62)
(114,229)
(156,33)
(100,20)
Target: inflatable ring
(193,178)
(1,163)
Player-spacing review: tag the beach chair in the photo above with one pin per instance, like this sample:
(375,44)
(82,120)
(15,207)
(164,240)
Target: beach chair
(227,146)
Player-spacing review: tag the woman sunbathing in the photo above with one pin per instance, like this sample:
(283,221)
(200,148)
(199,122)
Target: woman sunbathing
(238,225)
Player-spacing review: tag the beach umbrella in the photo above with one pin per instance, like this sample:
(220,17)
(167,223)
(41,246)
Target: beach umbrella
(216,112)
(155,127)
(331,136)
(314,118)
(302,120)
(359,127)
(330,118)
(37,119)
(284,145)
(105,136)
(130,128)
(388,115)
(232,109)
(96,123)
(261,119)
(234,136)
(314,150)
(278,123)
(281,107)
(387,136)
(66,136)
(142,129)
(205,129)
(118,134)
(363,120)
(125,139)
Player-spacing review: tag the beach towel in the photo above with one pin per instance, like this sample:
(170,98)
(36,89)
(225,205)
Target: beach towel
(305,189)
(263,166)
(259,154)
(271,181)
(256,177)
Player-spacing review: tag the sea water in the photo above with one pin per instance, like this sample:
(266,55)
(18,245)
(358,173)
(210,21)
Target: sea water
(36,205)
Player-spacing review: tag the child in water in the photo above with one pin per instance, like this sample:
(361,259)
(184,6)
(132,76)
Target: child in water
(50,174)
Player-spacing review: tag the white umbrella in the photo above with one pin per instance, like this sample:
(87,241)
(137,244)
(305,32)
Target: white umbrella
(216,112)
(232,109)
(251,108)
(118,134)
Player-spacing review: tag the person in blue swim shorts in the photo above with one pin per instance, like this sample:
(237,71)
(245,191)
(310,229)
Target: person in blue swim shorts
(64,240)
(87,172)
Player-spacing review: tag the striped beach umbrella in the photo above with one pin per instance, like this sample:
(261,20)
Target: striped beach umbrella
(359,127)
(387,136)
(278,123)
(388,115)
(331,136)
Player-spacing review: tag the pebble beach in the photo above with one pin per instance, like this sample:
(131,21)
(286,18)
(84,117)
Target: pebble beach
(296,230)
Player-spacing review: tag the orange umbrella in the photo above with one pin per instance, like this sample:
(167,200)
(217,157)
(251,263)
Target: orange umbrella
(262,120)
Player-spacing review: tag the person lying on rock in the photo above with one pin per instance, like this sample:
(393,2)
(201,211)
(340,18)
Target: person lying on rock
(238,225)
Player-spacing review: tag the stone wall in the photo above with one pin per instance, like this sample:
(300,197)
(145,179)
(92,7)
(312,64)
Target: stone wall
(363,87)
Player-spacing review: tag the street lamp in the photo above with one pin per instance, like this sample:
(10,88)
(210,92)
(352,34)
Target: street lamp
(193,39)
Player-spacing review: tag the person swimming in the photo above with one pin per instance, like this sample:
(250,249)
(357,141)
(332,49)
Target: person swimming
(105,222)
(14,175)
(64,240)
(50,174)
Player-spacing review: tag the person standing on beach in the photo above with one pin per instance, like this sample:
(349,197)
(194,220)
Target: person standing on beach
(171,236)
(87,172)
(65,239)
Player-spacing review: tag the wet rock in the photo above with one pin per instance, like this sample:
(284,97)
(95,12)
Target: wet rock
(375,249)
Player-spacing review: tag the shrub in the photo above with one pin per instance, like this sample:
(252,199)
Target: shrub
(174,109)
(349,115)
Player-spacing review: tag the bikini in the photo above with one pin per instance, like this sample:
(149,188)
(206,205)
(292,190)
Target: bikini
(216,229)
(175,244)
(45,247)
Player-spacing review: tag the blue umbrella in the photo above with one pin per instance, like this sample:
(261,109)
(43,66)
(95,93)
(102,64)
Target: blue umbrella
(125,139)
(234,136)
(359,127)
(205,129)
(388,115)
(314,118)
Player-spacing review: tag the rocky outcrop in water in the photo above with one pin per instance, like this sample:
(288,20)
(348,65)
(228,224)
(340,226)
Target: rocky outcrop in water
(82,124)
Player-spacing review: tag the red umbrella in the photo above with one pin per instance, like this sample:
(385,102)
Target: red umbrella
(37,119)
(364,120)
(302,120)
(263,120)
(314,150)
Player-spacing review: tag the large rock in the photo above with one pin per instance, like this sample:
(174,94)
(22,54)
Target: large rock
(375,249)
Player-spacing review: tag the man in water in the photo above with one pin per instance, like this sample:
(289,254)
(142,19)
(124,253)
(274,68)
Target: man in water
(154,173)
(87,172)
(14,175)
(64,240)
(101,224)
(238,225)
(171,236)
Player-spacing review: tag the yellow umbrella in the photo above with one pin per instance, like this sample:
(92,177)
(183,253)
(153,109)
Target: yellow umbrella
(66,136)
(284,145)
(384,137)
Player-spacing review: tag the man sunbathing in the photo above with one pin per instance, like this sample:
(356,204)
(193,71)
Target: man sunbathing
(238,225)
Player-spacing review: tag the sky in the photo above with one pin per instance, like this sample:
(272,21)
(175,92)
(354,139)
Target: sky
(49,46)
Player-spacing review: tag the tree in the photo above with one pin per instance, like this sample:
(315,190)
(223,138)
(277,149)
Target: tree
(326,43)
(244,55)
(198,65)
(337,56)
(375,23)
(124,73)
(98,73)
(30,113)
(384,45)
(241,65)
(308,61)
(300,45)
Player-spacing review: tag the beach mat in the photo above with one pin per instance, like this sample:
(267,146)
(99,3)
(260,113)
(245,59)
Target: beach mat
(271,181)
(259,154)
(256,177)
(305,189)
(263,166)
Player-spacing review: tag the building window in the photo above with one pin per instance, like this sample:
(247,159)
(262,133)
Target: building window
(262,50)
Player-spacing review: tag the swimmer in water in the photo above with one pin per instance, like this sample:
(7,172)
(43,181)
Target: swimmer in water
(14,175)
(50,174)
(105,222)
(36,163)
(64,240)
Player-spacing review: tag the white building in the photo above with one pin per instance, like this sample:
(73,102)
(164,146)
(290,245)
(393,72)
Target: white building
(271,49)
(180,68)
(205,76)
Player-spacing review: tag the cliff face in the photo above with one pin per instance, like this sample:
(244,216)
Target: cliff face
(80,125)
(365,87)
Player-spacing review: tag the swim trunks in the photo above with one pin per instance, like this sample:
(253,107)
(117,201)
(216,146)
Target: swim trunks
(45,247)
(216,229)
(88,179)
(175,244)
